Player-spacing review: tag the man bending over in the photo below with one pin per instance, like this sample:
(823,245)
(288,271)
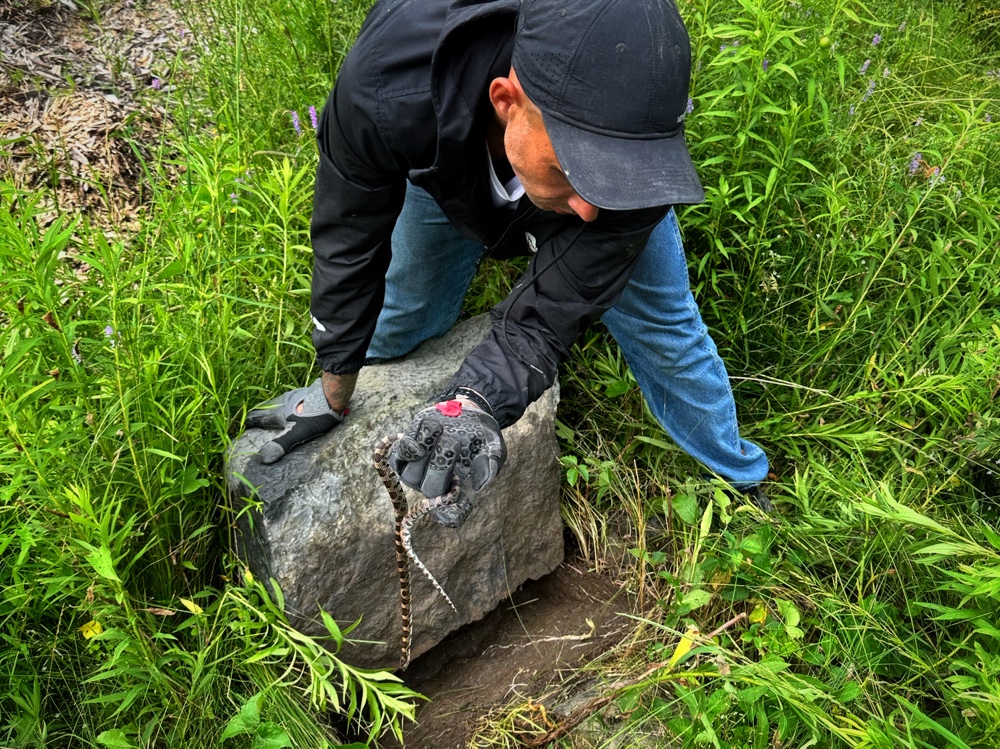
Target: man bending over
(464,128)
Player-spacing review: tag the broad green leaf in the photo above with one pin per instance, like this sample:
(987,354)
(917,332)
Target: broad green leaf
(751,695)
(270,736)
(617,388)
(789,614)
(774,664)
(175,267)
(192,483)
(245,721)
(100,560)
(686,507)
(751,546)
(115,739)
(695,599)
(850,691)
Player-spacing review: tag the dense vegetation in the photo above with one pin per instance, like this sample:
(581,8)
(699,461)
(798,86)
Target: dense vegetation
(846,259)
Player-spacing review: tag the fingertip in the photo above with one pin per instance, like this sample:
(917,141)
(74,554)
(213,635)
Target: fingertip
(271,453)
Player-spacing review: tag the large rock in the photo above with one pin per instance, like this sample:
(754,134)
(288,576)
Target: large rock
(320,523)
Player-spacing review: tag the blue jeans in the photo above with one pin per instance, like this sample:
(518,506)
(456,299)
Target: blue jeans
(655,322)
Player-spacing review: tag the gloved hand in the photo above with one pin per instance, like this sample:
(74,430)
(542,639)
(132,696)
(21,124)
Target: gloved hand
(447,443)
(302,414)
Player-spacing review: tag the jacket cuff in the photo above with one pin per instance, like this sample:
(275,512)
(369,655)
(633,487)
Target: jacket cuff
(332,365)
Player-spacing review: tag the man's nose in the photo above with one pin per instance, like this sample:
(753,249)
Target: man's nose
(582,208)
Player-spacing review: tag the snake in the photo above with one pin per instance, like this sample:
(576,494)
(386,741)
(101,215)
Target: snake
(405,517)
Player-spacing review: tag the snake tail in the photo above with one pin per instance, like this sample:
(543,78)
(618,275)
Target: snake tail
(408,522)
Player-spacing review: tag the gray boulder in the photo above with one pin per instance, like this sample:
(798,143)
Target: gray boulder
(320,524)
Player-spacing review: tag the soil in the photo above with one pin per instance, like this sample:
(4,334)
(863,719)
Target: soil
(530,645)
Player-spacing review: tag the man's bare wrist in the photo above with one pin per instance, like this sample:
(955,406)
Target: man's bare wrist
(338,390)
(468,396)
(467,402)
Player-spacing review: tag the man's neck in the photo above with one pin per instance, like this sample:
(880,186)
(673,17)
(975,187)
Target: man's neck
(498,154)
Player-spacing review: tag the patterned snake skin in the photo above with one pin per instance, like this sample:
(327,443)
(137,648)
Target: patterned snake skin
(404,520)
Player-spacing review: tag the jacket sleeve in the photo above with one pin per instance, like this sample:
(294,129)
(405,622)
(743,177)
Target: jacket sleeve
(574,278)
(358,196)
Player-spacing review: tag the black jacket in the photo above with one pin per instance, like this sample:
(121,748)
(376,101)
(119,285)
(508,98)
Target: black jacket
(411,102)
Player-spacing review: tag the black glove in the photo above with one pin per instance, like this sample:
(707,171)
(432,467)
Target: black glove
(448,443)
(315,419)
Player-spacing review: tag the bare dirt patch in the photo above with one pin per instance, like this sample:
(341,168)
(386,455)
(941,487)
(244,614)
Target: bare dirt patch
(78,97)
(530,644)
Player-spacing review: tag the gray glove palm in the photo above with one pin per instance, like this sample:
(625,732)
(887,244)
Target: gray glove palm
(447,444)
(302,414)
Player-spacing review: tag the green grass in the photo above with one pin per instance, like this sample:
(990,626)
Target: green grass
(855,304)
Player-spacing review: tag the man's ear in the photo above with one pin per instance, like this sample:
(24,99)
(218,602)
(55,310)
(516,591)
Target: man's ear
(505,94)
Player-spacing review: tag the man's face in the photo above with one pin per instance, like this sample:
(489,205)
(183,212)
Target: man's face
(530,153)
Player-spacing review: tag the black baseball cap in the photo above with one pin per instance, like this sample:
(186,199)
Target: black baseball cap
(611,78)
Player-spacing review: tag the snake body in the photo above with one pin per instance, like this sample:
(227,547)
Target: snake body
(405,518)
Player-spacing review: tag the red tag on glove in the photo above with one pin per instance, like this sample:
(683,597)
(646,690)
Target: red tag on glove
(450,408)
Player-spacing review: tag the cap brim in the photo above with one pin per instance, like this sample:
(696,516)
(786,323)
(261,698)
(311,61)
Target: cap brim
(625,173)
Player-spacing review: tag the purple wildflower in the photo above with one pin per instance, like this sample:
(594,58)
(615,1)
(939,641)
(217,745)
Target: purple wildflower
(876,39)
(919,122)
(690,107)
(915,163)
(313,119)
(885,73)
(156,84)
(736,43)
(233,197)
(108,331)
(864,68)
(764,64)
(851,111)
(870,91)
(295,122)
(989,117)
(722,47)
